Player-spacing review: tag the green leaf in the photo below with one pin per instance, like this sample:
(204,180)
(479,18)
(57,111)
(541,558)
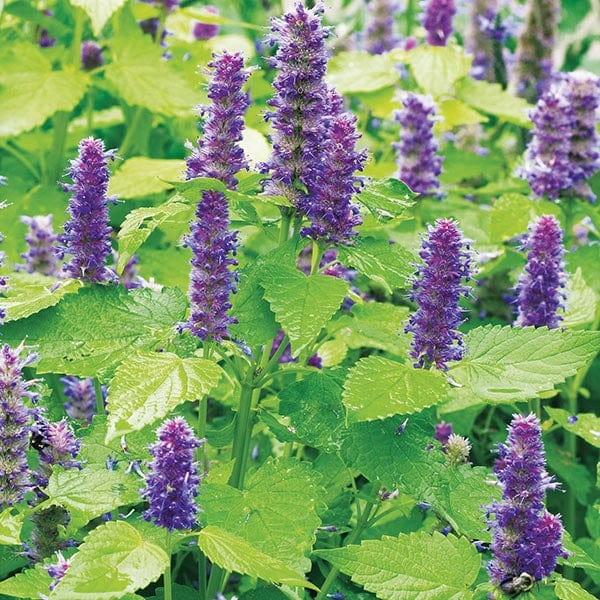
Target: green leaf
(31,583)
(587,425)
(90,492)
(385,263)
(315,408)
(455,112)
(490,98)
(99,11)
(570,471)
(30,91)
(10,527)
(275,514)
(361,328)
(387,198)
(236,554)
(28,293)
(377,388)
(302,305)
(581,303)
(192,189)
(142,176)
(142,77)
(376,71)
(149,385)
(504,364)
(113,560)
(436,68)
(419,566)
(571,590)
(141,222)
(264,593)
(90,332)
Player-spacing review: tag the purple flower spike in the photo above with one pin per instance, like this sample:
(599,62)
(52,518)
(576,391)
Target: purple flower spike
(41,253)
(540,288)
(218,155)
(300,102)
(526,537)
(534,63)
(15,425)
(329,208)
(380,36)
(437,289)
(437,20)
(58,570)
(173,480)
(206,31)
(418,164)
(443,431)
(87,234)
(81,398)
(91,55)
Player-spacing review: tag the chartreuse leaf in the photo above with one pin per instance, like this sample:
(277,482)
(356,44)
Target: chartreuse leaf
(264,593)
(88,333)
(387,198)
(148,385)
(586,425)
(90,492)
(377,71)
(504,364)
(377,388)
(142,176)
(10,527)
(566,589)
(418,566)
(141,222)
(275,514)
(113,560)
(29,293)
(30,91)
(236,554)
(455,112)
(302,305)
(387,264)
(581,302)
(99,11)
(136,68)
(490,98)
(32,583)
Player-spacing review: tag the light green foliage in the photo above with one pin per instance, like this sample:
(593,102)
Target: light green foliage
(236,554)
(581,303)
(141,176)
(29,293)
(30,91)
(302,305)
(587,425)
(99,11)
(114,560)
(419,566)
(377,388)
(455,112)
(387,198)
(504,364)
(149,385)
(28,584)
(10,527)
(90,332)
(276,514)
(377,71)
(571,590)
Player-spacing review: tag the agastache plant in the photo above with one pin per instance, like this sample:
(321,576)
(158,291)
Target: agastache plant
(419,165)
(437,287)
(437,18)
(91,55)
(87,233)
(527,539)
(172,483)
(41,251)
(218,155)
(380,36)
(81,398)
(540,292)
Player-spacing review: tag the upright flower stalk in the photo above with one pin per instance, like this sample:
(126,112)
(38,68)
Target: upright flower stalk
(540,291)
(217,155)
(380,36)
(81,398)
(527,539)
(419,165)
(437,288)
(86,235)
(41,251)
(437,18)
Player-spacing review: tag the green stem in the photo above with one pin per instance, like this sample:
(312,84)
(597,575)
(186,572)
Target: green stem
(60,122)
(215,581)
(167,576)
(100,410)
(243,422)
(77,35)
(284,227)
(131,135)
(21,158)
(89,110)
(410,15)
(202,576)
(315,257)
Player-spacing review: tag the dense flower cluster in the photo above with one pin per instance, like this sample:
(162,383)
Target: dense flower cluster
(45,538)
(540,288)
(437,289)
(380,36)
(15,424)
(57,445)
(418,164)
(218,155)
(91,55)
(41,252)
(300,102)
(436,18)
(526,537)
(536,43)
(173,481)
(86,235)
(81,398)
